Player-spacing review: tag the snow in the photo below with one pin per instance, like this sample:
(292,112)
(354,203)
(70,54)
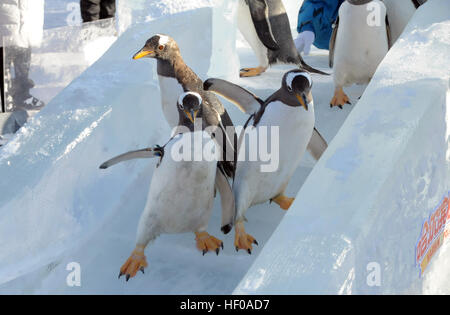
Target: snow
(364,203)
(60,208)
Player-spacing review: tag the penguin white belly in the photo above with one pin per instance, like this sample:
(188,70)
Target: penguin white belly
(295,127)
(247,28)
(170,90)
(181,194)
(359,48)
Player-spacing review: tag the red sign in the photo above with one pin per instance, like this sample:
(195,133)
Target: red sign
(433,234)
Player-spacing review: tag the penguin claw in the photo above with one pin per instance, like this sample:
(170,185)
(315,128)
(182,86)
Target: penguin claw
(242,240)
(206,243)
(134,263)
(339,98)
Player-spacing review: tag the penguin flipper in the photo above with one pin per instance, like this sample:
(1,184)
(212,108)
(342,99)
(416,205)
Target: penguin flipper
(230,150)
(259,10)
(418,3)
(333,42)
(317,145)
(227,201)
(388,33)
(138,154)
(246,101)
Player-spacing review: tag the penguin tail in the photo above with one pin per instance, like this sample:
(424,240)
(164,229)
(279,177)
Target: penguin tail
(304,66)
(226,228)
(228,168)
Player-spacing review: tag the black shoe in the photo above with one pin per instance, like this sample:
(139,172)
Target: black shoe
(31,103)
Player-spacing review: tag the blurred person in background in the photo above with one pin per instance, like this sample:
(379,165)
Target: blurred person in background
(21,27)
(93,10)
(315,24)
(316,19)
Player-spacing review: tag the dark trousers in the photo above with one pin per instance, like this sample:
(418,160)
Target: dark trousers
(20,84)
(93,10)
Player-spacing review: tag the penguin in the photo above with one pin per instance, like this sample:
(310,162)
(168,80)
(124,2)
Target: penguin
(175,78)
(356,46)
(181,194)
(265,26)
(418,3)
(399,13)
(291,109)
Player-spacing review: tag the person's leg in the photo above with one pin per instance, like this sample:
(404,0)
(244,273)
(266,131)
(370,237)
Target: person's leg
(2,82)
(90,10)
(21,83)
(107,9)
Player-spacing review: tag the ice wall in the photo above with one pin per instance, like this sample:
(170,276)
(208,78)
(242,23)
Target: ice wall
(354,226)
(53,196)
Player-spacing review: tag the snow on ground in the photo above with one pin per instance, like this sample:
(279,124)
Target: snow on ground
(60,208)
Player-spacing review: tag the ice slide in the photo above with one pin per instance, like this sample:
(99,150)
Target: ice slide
(57,207)
(356,224)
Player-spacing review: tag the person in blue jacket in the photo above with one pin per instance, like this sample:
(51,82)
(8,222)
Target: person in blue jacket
(315,21)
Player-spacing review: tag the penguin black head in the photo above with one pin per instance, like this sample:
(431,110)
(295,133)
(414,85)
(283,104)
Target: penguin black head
(297,86)
(159,47)
(189,106)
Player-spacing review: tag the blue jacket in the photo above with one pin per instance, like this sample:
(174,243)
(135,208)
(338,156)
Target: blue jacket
(318,16)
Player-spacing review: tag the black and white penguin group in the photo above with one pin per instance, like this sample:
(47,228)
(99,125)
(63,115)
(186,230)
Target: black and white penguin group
(182,193)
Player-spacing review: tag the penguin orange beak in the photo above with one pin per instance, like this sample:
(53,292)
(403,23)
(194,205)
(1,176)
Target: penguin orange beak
(191,115)
(302,101)
(141,54)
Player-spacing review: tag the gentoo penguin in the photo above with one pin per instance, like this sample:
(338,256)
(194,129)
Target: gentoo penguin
(357,47)
(399,13)
(181,192)
(291,109)
(175,77)
(265,25)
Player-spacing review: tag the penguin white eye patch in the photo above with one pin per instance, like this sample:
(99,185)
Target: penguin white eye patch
(163,39)
(291,76)
(182,96)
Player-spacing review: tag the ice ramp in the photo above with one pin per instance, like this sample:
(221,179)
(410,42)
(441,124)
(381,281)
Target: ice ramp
(356,221)
(53,197)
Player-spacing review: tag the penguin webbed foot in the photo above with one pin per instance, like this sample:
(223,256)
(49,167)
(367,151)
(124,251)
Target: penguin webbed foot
(339,99)
(136,262)
(206,243)
(242,240)
(283,201)
(251,72)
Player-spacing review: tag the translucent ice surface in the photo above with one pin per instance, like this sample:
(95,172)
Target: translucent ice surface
(64,53)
